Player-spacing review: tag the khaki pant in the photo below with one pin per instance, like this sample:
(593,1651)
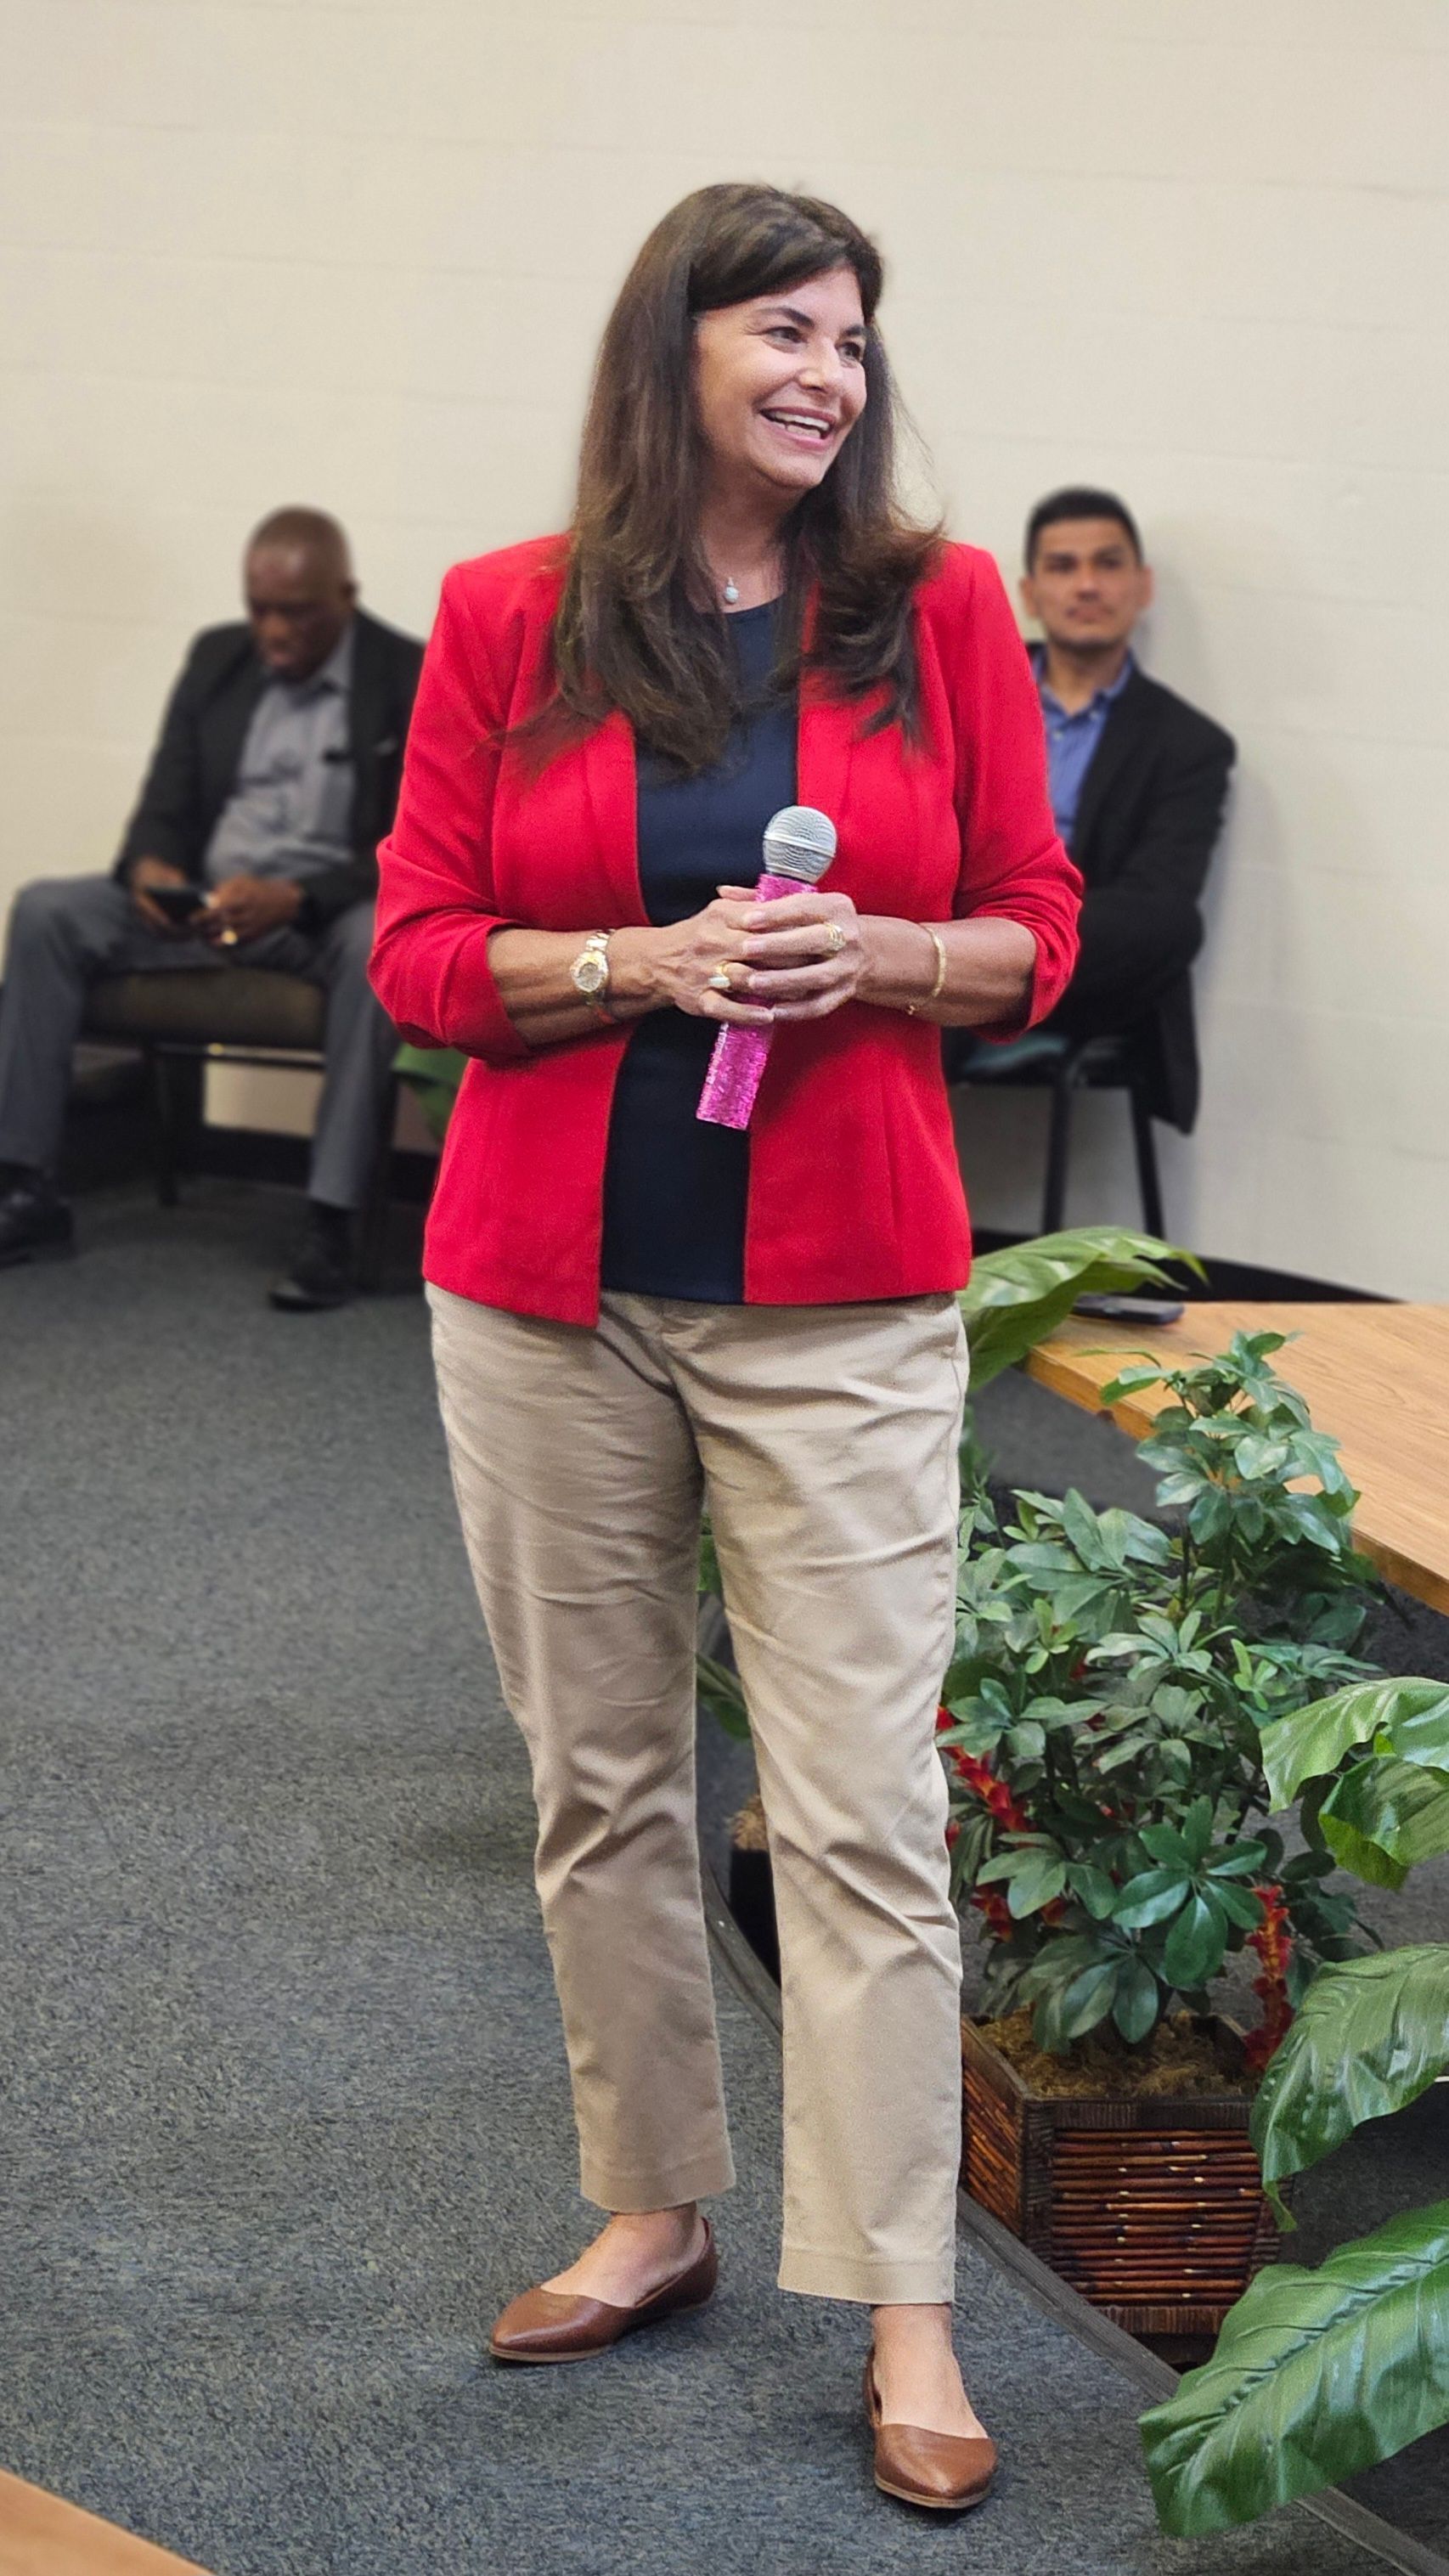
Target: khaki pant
(823,1439)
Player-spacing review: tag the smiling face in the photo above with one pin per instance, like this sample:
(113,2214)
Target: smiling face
(779,384)
(1086,587)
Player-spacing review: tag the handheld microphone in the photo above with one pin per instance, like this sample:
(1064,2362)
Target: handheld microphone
(799,846)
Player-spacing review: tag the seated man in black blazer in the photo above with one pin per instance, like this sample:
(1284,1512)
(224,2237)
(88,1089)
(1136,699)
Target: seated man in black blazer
(1139,780)
(274,778)
(1138,784)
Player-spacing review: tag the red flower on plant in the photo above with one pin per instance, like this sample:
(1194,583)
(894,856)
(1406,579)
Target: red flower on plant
(1009,1816)
(1272,1945)
(1003,1807)
(991,1905)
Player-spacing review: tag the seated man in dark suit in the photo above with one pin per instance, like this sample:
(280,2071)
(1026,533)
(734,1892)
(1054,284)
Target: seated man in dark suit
(1138,784)
(274,778)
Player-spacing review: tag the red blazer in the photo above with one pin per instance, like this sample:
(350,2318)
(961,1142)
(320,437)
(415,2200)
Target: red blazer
(855,1190)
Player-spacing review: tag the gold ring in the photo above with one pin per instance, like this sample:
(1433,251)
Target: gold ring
(834,939)
(719,981)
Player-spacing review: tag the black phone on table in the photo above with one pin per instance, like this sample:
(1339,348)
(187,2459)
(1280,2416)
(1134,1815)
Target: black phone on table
(1130,1310)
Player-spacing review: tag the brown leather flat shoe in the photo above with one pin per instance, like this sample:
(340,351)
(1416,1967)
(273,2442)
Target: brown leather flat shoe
(552,2325)
(948,2472)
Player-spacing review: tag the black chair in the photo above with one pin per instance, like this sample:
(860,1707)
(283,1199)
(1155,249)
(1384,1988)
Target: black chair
(237,1015)
(1049,1060)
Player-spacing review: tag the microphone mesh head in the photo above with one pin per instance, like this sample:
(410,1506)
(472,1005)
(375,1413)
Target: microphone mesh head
(799,842)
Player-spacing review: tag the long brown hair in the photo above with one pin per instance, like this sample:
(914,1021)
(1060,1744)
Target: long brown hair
(627,633)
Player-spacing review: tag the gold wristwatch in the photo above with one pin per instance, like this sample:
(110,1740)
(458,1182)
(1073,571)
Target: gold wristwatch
(589,973)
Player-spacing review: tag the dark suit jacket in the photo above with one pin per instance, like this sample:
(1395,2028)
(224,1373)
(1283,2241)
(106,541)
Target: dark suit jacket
(194,765)
(1150,812)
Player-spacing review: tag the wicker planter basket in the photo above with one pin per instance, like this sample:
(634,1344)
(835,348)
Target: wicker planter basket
(1151,2208)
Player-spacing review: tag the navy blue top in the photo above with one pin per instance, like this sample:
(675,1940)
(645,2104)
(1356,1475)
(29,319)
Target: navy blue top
(675,1190)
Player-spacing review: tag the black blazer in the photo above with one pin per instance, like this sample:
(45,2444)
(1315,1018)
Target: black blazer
(1149,816)
(194,765)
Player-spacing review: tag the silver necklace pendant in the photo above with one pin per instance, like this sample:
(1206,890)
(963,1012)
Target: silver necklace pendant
(730,594)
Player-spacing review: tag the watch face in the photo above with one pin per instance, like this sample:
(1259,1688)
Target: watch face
(591,972)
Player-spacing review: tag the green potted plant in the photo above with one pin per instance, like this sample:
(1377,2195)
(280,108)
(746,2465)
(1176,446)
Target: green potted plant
(1103,1724)
(1320,2373)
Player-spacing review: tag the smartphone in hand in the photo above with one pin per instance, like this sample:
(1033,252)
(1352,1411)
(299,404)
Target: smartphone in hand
(180,903)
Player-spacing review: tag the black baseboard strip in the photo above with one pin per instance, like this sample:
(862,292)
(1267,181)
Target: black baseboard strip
(1155,2380)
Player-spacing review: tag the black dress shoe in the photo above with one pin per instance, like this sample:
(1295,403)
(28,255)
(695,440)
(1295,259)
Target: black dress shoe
(35,1223)
(321,1273)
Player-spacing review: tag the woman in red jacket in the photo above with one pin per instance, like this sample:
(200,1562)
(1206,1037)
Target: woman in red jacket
(635,1311)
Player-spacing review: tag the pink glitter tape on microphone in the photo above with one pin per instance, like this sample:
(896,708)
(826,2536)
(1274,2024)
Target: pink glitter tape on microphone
(739,1055)
(799,846)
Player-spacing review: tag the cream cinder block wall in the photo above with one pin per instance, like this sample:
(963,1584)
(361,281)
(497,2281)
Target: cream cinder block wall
(266,250)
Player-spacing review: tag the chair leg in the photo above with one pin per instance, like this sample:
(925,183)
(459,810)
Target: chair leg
(372,1229)
(1059,1138)
(1147,1176)
(163,1124)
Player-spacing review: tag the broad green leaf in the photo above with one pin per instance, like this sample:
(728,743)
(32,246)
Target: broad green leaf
(1017,1297)
(1137,1373)
(1240,1861)
(1080,1523)
(1126,1751)
(1210,1516)
(1040,1556)
(1317,1454)
(1121,1641)
(1370,2035)
(1197,1830)
(1088,2000)
(1258,1454)
(1316,2375)
(1238,1903)
(1094,1888)
(1044,1877)
(1193,1950)
(1150,1898)
(1166,1846)
(1138,1998)
(1314,1740)
(1007,1864)
(1141,1541)
(1060,1961)
(1398,1809)
(1419,1731)
(1361,1856)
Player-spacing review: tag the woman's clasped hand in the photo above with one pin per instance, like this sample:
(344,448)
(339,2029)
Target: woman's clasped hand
(796,958)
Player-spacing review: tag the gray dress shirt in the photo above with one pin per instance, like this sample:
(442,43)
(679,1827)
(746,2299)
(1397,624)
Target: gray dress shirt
(288,813)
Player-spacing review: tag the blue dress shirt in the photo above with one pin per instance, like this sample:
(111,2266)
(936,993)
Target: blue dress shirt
(1072,739)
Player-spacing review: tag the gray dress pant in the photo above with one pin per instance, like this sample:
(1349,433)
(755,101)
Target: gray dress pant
(66,931)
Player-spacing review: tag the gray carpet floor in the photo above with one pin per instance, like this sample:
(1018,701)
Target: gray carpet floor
(285,2114)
